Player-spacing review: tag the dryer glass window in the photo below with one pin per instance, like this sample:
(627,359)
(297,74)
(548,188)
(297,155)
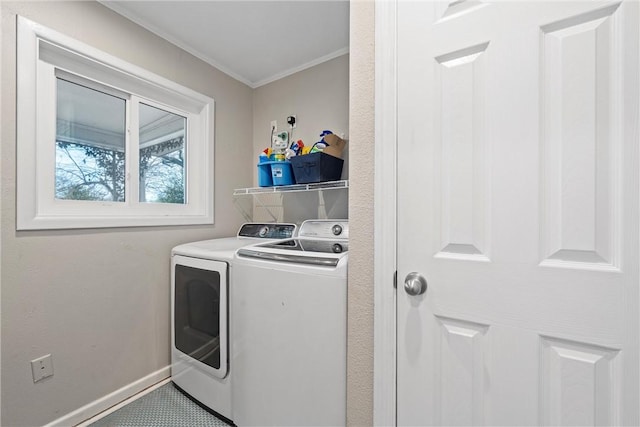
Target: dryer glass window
(197,314)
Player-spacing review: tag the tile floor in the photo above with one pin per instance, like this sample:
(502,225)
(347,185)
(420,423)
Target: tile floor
(164,407)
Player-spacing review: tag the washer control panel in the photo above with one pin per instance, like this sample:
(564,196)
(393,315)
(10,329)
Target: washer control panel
(337,229)
(267,231)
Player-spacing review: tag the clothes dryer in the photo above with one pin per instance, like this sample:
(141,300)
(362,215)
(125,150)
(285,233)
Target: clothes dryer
(201,275)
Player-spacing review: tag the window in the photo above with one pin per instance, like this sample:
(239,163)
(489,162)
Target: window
(90,143)
(103,143)
(162,136)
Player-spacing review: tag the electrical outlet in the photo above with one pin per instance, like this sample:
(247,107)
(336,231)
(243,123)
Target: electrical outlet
(42,368)
(274,126)
(291,120)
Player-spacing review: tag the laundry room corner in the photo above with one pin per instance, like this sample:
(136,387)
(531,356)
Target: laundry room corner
(93,281)
(319,98)
(97,300)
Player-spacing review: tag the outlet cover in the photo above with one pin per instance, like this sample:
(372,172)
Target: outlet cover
(42,368)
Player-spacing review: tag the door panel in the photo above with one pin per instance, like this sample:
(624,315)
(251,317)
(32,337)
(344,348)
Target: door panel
(463,348)
(518,201)
(578,383)
(460,88)
(580,65)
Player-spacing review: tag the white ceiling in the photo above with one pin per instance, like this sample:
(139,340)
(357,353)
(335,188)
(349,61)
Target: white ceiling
(255,42)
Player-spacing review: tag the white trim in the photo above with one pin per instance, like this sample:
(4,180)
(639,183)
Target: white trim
(40,52)
(384,373)
(299,68)
(174,41)
(1,198)
(184,46)
(109,402)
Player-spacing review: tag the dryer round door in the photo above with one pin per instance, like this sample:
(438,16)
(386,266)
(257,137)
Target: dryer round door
(199,313)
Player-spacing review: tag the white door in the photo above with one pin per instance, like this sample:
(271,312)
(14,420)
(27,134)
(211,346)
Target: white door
(518,202)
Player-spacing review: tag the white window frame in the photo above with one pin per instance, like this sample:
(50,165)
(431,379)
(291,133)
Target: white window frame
(42,51)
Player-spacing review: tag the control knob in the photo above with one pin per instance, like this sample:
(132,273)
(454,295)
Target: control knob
(263,231)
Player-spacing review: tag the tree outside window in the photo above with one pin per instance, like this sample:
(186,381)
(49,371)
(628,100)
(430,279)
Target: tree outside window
(90,148)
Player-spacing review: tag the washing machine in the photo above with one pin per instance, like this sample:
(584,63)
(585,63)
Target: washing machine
(290,322)
(201,275)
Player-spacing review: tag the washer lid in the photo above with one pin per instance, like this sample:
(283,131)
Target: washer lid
(323,261)
(320,252)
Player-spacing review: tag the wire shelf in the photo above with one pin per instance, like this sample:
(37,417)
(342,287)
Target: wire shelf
(316,186)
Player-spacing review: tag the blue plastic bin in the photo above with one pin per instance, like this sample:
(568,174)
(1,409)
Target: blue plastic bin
(275,173)
(264,174)
(281,173)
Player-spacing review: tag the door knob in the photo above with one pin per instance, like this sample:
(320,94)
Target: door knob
(415,284)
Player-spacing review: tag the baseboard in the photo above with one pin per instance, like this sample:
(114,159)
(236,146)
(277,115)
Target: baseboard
(102,404)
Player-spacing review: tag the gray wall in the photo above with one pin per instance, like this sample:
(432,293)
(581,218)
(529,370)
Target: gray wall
(98,300)
(319,97)
(360,312)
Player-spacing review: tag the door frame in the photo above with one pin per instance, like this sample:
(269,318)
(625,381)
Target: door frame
(385,207)
(385,223)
